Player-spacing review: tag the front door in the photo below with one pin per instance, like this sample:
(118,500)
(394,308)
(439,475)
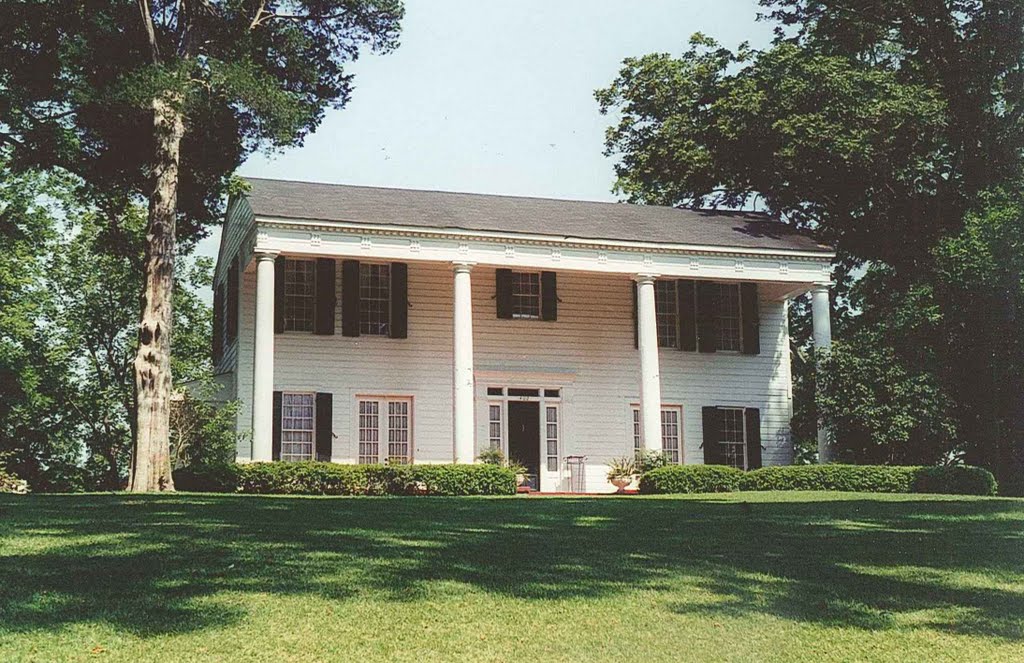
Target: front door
(524,438)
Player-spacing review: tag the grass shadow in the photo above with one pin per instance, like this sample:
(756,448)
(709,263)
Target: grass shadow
(153,565)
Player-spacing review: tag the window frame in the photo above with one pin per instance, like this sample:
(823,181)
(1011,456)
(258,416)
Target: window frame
(667,320)
(518,296)
(384,428)
(734,285)
(288,321)
(311,430)
(366,327)
(742,413)
(545,397)
(637,429)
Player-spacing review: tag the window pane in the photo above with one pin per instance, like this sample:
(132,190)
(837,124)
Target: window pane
(495,391)
(369,432)
(398,432)
(374,299)
(524,392)
(296,427)
(670,433)
(299,295)
(525,295)
(733,438)
(494,425)
(728,316)
(637,441)
(666,313)
(551,438)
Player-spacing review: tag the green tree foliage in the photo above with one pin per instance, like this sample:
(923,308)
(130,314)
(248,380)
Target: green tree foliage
(67,332)
(162,100)
(878,125)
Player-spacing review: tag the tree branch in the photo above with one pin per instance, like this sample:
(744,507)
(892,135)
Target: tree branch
(147,23)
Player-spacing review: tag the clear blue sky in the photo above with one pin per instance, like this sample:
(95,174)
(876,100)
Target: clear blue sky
(497,96)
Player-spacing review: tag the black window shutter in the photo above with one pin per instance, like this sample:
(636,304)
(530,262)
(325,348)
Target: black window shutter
(750,312)
(276,436)
(636,315)
(548,296)
(399,326)
(350,298)
(503,292)
(232,297)
(707,316)
(324,426)
(686,300)
(218,323)
(323,318)
(753,417)
(279,295)
(712,422)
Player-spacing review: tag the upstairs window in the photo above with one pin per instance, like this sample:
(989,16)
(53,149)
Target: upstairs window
(666,309)
(526,295)
(729,317)
(374,299)
(299,295)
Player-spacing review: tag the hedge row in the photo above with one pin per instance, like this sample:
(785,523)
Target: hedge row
(961,480)
(315,478)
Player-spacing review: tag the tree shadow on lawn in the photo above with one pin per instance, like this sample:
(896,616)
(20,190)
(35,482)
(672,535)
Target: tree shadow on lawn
(162,564)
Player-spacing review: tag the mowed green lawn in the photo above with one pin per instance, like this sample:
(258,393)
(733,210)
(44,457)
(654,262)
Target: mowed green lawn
(743,577)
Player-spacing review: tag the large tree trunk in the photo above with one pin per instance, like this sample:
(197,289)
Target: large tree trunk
(151,465)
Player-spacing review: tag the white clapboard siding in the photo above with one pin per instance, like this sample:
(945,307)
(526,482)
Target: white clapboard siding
(237,224)
(588,353)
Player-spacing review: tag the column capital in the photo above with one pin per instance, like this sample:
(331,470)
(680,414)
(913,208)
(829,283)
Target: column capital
(821,287)
(462,266)
(265,254)
(646,277)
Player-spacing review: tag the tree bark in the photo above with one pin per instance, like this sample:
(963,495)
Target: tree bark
(151,465)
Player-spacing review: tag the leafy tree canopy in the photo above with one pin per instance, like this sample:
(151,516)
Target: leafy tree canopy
(77,79)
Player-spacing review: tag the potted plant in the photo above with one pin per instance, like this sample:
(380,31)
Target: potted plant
(621,472)
(519,469)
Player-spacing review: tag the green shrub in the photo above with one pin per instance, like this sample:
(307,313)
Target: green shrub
(690,479)
(316,478)
(207,479)
(648,460)
(963,480)
(956,480)
(458,479)
(856,478)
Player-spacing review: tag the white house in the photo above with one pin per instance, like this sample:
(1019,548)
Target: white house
(368,325)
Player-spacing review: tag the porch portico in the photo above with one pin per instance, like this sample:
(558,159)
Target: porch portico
(492,358)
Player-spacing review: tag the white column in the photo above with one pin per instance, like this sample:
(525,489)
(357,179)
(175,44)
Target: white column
(462,366)
(263,360)
(650,372)
(821,325)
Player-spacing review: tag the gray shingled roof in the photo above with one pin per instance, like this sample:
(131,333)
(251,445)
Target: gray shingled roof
(534,216)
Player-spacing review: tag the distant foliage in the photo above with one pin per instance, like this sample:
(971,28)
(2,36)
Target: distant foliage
(316,478)
(691,479)
(9,482)
(202,430)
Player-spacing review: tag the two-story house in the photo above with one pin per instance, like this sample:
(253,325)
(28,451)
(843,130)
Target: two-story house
(369,325)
